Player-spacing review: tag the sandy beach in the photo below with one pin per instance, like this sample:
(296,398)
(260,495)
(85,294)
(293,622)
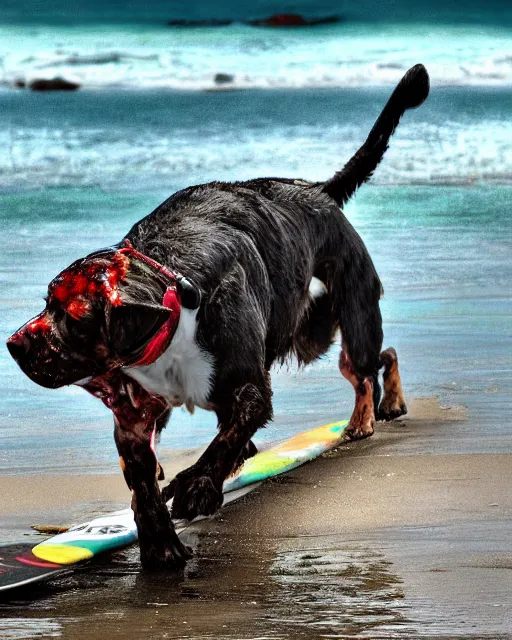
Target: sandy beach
(382,538)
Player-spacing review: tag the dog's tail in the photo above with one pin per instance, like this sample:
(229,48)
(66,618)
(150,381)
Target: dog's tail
(412,90)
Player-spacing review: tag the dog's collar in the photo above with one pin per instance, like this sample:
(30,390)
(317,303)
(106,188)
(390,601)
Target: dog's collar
(189,294)
(181,292)
(129,250)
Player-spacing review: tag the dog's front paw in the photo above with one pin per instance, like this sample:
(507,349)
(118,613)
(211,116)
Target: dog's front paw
(164,553)
(160,546)
(195,495)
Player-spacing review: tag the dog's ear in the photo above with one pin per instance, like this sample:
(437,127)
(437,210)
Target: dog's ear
(130,326)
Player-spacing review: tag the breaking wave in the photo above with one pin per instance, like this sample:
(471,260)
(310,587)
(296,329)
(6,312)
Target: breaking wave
(335,56)
(426,153)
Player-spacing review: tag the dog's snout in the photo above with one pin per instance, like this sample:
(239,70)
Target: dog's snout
(17,345)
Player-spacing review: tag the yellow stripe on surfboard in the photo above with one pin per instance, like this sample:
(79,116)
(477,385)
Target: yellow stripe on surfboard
(61,553)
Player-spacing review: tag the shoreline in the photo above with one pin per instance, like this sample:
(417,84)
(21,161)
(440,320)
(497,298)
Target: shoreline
(22,496)
(373,543)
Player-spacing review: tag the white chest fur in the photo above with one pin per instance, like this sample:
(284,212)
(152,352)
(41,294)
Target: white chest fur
(183,373)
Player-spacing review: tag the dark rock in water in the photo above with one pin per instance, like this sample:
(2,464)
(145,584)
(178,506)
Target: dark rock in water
(213,22)
(223,78)
(20,84)
(293,20)
(277,20)
(53,84)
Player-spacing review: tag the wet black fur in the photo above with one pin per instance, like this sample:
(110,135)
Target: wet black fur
(252,248)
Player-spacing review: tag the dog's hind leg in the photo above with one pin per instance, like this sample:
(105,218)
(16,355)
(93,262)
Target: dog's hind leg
(356,297)
(362,420)
(198,490)
(393,404)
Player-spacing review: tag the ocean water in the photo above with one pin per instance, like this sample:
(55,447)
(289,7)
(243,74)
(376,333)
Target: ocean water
(165,139)
(77,170)
(129,45)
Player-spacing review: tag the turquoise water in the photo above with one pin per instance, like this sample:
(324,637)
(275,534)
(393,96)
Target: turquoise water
(163,140)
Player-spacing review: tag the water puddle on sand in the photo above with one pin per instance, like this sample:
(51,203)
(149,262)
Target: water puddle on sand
(335,592)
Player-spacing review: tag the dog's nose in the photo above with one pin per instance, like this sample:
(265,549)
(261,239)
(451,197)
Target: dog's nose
(18,346)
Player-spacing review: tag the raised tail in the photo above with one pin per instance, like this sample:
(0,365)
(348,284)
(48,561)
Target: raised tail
(411,91)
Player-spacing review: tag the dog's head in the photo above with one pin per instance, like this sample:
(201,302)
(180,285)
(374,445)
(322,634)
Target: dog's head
(111,309)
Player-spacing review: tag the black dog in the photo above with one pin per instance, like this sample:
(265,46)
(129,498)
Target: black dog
(195,305)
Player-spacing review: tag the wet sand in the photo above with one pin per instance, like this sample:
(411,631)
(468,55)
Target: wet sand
(384,538)
(26,495)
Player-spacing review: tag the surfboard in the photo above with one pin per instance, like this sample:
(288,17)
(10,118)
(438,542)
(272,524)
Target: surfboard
(22,564)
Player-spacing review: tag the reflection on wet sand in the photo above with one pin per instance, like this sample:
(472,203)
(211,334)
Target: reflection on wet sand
(314,587)
(330,589)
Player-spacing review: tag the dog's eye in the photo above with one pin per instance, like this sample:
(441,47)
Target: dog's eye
(78,329)
(81,335)
(73,327)
(79,323)
(79,308)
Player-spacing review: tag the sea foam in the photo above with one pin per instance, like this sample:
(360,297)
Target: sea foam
(336,56)
(421,153)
